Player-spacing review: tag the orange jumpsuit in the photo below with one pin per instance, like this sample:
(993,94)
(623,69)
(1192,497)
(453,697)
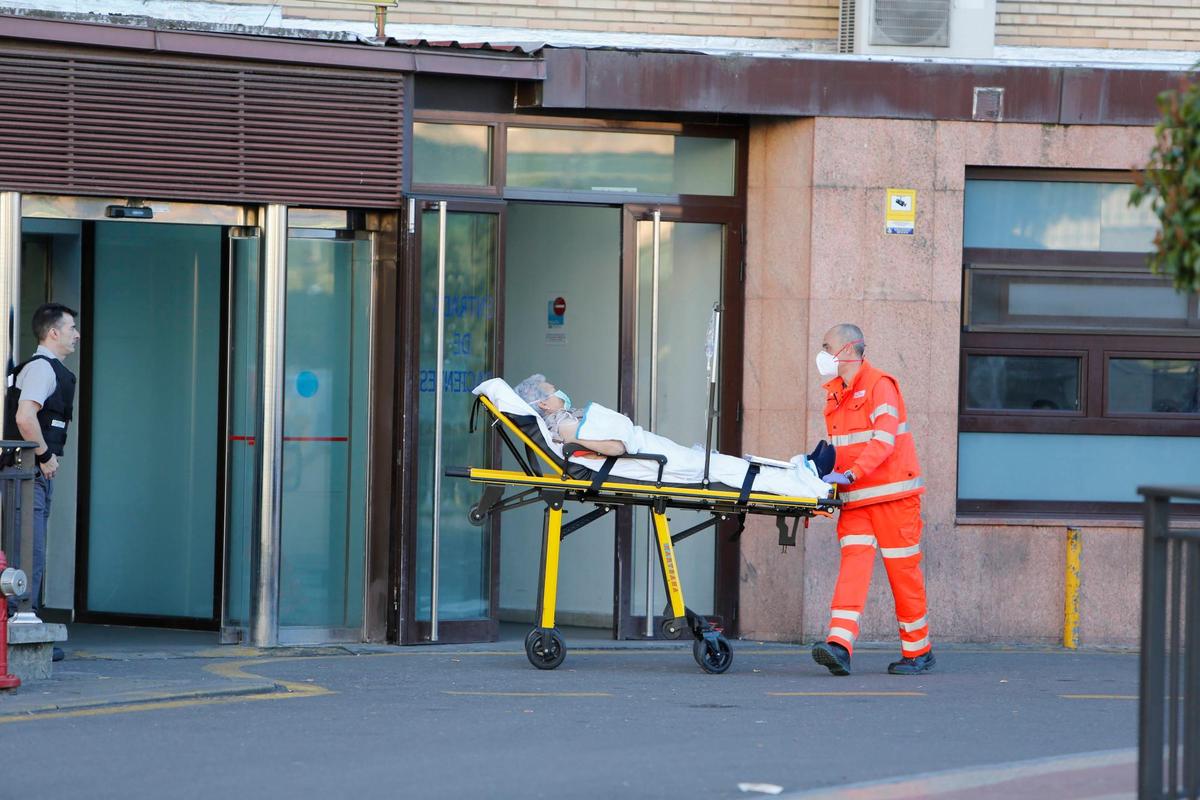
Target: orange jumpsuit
(868,425)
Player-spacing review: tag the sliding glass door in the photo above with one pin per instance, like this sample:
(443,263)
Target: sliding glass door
(679,266)
(451,563)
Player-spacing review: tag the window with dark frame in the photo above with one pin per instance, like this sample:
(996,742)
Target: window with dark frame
(1066,333)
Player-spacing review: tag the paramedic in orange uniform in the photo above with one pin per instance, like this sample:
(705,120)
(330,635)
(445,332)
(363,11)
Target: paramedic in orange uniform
(879,482)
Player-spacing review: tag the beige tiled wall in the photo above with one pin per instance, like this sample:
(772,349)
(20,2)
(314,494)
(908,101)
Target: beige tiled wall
(817,255)
(788,19)
(1133,24)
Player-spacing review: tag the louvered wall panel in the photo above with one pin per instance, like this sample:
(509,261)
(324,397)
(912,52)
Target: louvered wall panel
(199,130)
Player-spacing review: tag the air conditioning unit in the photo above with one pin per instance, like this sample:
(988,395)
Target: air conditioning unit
(943,28)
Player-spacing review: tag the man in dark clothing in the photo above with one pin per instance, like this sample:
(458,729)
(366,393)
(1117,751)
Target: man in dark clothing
(39,407)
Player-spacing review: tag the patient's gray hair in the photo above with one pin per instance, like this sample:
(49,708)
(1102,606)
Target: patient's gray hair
(531,390)
(851,333)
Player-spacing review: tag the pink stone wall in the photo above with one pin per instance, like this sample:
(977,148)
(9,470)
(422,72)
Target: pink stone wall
(817,255)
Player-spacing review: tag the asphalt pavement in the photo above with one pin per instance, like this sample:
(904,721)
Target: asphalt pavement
(616,719)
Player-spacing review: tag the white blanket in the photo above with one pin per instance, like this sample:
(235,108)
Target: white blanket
(684,464)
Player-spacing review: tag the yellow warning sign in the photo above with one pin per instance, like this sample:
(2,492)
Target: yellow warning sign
(900,215)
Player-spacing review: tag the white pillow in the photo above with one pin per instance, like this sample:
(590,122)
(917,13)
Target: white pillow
(505,399)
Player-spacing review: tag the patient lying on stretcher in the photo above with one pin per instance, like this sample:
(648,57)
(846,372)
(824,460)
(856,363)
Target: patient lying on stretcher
(609,433)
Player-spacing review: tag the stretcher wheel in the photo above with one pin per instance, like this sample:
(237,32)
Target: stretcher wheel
(671,628)
(545,649)
(474,517)
(713,655)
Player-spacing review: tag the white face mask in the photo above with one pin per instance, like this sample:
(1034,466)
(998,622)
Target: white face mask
(827,365)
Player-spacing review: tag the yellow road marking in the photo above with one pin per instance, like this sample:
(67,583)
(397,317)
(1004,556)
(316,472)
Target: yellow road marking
(127,708)
(1099,696)
(232,670)
(527,694)
(846,694)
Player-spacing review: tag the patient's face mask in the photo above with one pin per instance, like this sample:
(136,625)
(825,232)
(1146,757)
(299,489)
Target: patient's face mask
(827,364)
(561,395)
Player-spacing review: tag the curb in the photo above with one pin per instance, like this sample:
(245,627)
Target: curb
(148,697)
(989,778)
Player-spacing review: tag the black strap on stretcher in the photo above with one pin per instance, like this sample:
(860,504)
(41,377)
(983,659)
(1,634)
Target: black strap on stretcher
(602,475)
(748,483)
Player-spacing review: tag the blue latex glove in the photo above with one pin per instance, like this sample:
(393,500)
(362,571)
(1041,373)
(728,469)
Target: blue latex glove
(837,477)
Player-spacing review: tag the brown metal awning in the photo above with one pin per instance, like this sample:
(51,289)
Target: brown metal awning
(112,110)
(612,80)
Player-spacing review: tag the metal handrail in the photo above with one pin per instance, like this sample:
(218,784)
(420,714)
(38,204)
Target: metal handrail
(1169,712)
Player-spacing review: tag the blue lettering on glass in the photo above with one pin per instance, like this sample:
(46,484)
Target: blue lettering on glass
(307,384)
(460,344)
(454,381)
(465,306)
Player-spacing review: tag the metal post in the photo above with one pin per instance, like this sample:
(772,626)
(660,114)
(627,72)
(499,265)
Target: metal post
(1071,591)
(714,366)
(24,522)
(10,281)
(1174,623)
(651,546)
(437,424)
(1154,611)
(1190,696)
(10,272)
(264,612)
(10,341)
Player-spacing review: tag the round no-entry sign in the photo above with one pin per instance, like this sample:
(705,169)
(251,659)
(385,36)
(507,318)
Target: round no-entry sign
(560,306)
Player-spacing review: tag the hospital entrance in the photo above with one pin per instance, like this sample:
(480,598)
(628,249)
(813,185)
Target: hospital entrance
(612,303)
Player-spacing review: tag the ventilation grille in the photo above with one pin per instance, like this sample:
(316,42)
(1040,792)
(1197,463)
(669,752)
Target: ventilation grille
(163,127)
(846,20)
(988,105)
(923,23)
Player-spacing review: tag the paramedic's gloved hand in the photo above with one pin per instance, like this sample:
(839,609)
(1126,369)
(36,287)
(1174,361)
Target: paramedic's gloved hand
(837,477)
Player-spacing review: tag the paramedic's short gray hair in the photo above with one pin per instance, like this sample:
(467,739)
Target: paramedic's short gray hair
(531,390)
(852,333)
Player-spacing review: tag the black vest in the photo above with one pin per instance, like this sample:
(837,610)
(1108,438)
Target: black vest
(56,412)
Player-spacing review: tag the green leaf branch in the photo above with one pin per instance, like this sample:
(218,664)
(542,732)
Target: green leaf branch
(1171,184)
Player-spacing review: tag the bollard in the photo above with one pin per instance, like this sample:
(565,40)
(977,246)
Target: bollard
(12,583)
(1071,604)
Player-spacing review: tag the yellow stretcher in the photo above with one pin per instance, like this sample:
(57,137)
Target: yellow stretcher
(548,479)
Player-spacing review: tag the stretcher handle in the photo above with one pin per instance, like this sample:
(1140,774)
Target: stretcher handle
(474,411)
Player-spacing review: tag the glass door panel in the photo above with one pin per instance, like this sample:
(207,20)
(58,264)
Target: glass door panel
(671,388)
(242,466)
(582,356)
(464,553)
(155,357)
(325,438)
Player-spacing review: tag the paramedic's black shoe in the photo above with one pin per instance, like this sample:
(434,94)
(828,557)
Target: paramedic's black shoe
(913,666)
(58,655)
(832,656)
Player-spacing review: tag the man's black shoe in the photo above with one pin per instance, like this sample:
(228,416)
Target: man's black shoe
(58,655)
(913,666)
(833,656)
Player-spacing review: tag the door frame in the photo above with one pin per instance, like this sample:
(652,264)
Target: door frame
(729,426)
(403,626)
(89,210)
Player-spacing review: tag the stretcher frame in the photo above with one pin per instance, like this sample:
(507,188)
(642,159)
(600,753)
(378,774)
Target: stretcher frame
(549,480)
